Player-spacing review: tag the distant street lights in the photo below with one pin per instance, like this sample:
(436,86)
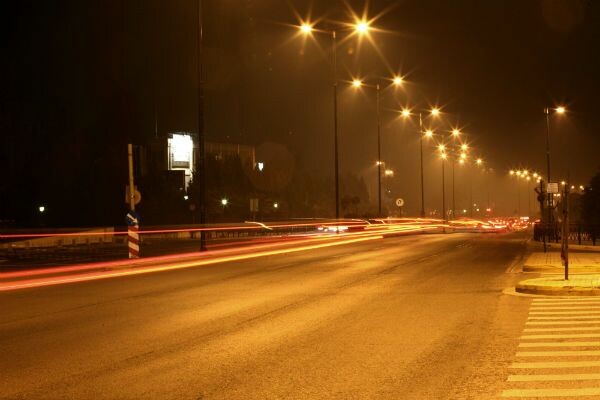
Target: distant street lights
(357,83)
(361,28)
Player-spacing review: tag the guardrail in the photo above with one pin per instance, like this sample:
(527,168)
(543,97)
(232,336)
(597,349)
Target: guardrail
(580,233)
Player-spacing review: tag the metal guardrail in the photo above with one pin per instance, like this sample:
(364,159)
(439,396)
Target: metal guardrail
(580,233)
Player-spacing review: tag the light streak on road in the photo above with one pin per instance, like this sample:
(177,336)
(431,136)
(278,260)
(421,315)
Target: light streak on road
(56,280)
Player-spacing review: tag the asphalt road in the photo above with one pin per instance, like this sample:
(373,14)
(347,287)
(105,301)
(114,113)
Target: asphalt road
(416,317)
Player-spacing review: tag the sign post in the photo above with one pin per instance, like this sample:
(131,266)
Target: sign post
(132,218)
(400,204)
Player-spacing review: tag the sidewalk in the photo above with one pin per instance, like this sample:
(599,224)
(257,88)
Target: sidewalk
(551,262)
(584,275)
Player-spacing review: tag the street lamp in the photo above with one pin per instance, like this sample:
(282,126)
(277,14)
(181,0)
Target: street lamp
(443,156)
(361,27)
(357,83)
(422,133)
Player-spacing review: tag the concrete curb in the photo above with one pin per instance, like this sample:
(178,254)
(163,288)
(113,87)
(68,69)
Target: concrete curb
(558,287)
(554,268)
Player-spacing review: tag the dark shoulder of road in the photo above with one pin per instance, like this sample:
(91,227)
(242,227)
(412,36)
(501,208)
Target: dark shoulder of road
(420,317)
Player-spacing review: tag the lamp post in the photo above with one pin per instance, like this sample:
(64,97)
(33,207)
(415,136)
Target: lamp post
(443,156)
(361,28)
(558,110)
(422,133)
(357,83)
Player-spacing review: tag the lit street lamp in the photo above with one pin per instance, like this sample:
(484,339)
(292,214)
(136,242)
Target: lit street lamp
(357,83)
(422,133)
(360,28)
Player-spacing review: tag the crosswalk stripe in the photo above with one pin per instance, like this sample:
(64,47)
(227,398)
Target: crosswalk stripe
(573,328)
(552,377)
(555,364)
(562,336)
(566,300)
(560,344)
(597,321)
(580,317)
(578,308)
(551,392)
(564,312)
(574,353)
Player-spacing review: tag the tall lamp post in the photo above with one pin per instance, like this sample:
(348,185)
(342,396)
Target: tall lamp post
(406,112)
(443,157)
(558,110)
(360,28)
(357,83)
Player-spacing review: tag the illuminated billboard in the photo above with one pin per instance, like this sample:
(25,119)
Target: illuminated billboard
(181,154)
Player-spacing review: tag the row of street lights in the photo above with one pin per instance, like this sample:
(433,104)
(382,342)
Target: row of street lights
(362,27)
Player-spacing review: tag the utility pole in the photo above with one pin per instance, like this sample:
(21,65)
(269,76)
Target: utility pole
(378,156)
(335,124)
(422,179)
(131,193)
(565,231)
(200,170)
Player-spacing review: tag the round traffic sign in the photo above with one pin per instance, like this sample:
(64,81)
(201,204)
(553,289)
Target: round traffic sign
(399,202)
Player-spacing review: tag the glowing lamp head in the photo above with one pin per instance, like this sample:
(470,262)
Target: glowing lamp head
(441,147)
(464,147)
(479,161)
(461,161)
(224,202)
(512,172)
(361,27)
(435,111)
(306,28)
(563,183)
(276,205)
(455,132)
(406,113)
(428,133)
(356,83)
(397,81)
(41,209)
(463,156)
(444,156)
(561,110)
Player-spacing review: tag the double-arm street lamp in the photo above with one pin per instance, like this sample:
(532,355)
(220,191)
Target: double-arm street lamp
(357,83)
(434,112)
(359,28)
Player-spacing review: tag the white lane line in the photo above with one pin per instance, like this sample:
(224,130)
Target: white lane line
(562,336)
(564,312)
(594,321)
(566,353)
(551,392)
(560,344)
(542,378)
(573,328)
(580,317)
(555,364)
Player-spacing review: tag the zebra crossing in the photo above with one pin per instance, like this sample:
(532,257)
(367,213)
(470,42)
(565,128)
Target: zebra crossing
(559,351)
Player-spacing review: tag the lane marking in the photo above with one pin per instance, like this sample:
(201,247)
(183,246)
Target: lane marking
(565,353)
(560,344)
(574,328)
(595,321)
(555,364)
(541,378)
(565,303)
(579,299)
(562,336)
(551,392)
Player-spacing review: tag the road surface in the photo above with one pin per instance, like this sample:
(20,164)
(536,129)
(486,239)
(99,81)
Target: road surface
(416,317)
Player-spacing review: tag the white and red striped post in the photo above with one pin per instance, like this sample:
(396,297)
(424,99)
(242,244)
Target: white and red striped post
(133,239)
(133,221)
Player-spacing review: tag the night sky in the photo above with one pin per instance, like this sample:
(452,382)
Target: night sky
(82,79)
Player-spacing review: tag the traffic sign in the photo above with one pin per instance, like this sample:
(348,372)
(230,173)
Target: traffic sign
(137,196)
(552,187)
(399,202)
(132,218)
